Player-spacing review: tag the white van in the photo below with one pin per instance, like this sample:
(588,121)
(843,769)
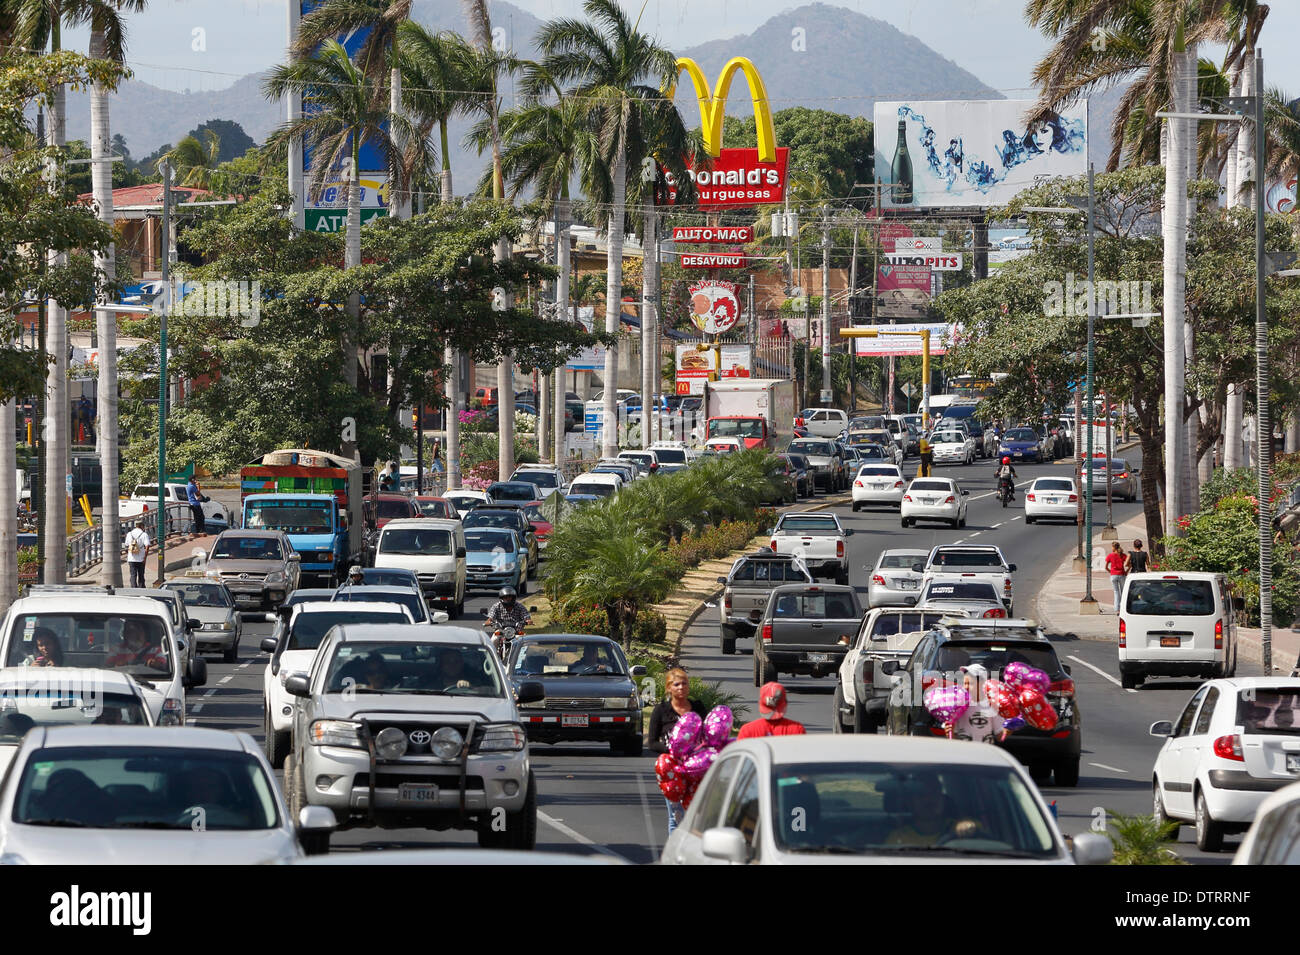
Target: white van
(825,422)
(601,485)
(435,549)
(1178,623)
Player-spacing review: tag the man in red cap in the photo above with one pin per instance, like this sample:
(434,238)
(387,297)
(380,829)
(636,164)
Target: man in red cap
(772,722)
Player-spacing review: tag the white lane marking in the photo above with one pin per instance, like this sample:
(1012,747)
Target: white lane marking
(1098,671)
(224,679)
(1113,769)
(243,666)
(196,709)
(577,836)
(211,692)
(999,523)
(977,534)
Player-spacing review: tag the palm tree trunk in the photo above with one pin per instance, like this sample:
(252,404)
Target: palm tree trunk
(55,530)
(1175,238)
(614,303)
(447,194)
(8,508)
(1191,483)
(452,452)
(1239,157)
(101,175)
(647,321)
(562,300)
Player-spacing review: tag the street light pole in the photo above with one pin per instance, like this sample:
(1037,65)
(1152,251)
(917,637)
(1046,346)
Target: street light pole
(1089,603)
(1264,424)
(161,539)
(826,305)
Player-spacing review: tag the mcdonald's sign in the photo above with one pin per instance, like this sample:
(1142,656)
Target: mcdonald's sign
(734,177)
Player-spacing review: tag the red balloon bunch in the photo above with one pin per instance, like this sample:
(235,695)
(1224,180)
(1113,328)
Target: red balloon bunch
(1020,700)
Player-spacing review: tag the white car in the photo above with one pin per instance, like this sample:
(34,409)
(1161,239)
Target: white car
(130,795)
(463,499)
(1176,623)
(894,577)
(724,445)
(600,484)
(823,799)
(1274,838)
(1236,741)
(298,633)
(975,596)
(1052,499)
(952,446)
(878,483)
(933,499)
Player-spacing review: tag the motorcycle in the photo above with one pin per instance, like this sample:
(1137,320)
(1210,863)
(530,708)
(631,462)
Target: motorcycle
(1005,492)
(502,639)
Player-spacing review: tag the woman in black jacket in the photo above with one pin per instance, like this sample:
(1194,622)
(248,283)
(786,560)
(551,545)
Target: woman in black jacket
(665,716)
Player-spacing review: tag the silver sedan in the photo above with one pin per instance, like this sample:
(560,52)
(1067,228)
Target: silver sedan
(1123,479)
(894,577)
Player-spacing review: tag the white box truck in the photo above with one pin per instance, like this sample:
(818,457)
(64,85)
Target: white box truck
(760,411)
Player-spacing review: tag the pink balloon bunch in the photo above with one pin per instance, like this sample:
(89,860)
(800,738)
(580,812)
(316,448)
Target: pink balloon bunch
(693,745)
(1021,697)
(947,703)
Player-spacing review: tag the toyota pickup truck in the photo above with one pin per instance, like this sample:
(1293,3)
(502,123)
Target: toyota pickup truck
(818,539)
(985,562)
(746,589)
(145,497)
(807,629)
(887,633)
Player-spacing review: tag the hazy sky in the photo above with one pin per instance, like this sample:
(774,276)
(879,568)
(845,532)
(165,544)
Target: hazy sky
(986,37)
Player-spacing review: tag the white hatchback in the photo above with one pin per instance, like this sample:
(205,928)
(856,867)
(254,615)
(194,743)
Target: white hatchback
(934,499)
(1236,741)
(952,445)
(878,483)
(1052,499)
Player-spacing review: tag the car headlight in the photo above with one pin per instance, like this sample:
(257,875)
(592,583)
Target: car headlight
(447,743)
(503,737)
(335,733)
(212,573)
(390,743)
(446,578)
(224,625)
(509,565)
(621,702)
(275,577)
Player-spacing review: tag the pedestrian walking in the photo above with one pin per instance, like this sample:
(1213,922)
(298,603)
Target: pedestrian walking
(665,716)
(1115,561)
(927,459)
(1137,559)
(137,552)
(195,497)
(437,455)
(772,720)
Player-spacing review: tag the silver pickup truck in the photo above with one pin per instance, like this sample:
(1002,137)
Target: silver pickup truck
(818,539)
(747,588)
(983,561)
(805,629)
(862,695)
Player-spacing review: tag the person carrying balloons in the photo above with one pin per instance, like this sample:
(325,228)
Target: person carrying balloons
(772,721)
(982,721)
(664,718)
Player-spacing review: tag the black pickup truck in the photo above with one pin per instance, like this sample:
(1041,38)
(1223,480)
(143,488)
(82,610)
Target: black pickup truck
(805,629)
(747,588)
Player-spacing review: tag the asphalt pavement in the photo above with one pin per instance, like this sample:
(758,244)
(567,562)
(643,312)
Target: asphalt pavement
(592,802)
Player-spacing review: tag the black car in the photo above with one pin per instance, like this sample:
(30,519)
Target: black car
(993,644)
(797,464)
(591,694)
(512,518)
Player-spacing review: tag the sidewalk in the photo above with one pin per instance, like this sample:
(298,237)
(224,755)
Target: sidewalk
(1057,605)
(179,556)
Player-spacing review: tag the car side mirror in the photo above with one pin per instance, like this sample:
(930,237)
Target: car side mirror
(889,667)
(637,670)
(295,684)
(965,493)
(198,671)
(460,552)
(726,844)
(438,616)
(722,580)
(268,644)
(1066,668)
(282,612)
(531,691)
(315,820)
(192,624)
(1161,728)
(295,556)
(1011,568)
(918,568)
(1092,848)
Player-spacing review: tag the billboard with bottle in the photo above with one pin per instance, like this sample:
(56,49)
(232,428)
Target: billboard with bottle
(977,153)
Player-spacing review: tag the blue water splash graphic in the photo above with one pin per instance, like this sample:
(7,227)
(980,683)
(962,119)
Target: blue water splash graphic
(1059,134)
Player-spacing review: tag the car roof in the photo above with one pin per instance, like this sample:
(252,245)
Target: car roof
(433,523)
(564,637)
(903,550)
(1255,682)
(178,737)
(110,680)
(856,748)
(309,594)
(373,589)
(1179,574)
(959,579)
(250,532)
(327,606)
(410,633)
(54,603)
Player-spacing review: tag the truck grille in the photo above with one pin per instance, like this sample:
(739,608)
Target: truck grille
(235,575)
(576,703)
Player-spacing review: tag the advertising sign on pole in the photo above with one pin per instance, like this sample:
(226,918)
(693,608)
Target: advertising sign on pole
(918,243)
(939,261)
(941,334)
(735,361)
(715,306)
(713,260)
(710,233)
(902,291)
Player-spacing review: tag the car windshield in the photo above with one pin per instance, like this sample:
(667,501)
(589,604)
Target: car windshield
(134,644)
(424,541)
(545,479)
(902,808)
(596,490)
(409,599)
(643,459)
(434,508)
(390,510)
(507,519)
(489,540)
(292,517)
(930,486)
(562,659)
(201,595)
(389,577)
(810,522)
(65,702)
(450,669)
(246,548)
(1269,711)
(671,455)
(975,590)
(901,560)
(308,629)
(812,447)
(736,428)
(878,470)
(866,424)
(949,657)
(1020,434)
(513,491)
(1170,598)
(949,437)
(534,514)
(870,451)
(145,787)
(1053,484)
(967,558)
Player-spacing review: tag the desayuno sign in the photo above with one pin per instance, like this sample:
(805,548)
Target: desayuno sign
(734,177)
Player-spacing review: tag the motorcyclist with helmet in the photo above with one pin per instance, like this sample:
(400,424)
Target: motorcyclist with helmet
(1006,475)
(355,575)
(507,612)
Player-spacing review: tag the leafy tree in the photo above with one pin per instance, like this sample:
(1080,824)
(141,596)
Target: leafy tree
(193,161)
(232,141)
(832,146)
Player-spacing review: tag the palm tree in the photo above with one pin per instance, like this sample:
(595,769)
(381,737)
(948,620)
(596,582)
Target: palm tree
(610,61)
(625,572)
(340,111)
(195,161)
(438,83)
(107,42)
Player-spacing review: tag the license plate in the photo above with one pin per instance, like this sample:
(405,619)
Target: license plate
(909,584)
(928,500)
(1052,500)
(879,487)
(1171,642)
(819,658)
(1293,762)
(574,719)
(416,793)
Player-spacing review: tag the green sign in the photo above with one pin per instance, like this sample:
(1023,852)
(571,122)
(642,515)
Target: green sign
(335,220)
(554,507)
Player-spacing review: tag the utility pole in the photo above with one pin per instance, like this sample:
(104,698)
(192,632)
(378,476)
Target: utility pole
(1080,562)
(1109,533)
(1089,603)
(852,345)
(161,539)
(826,306)
(1264,422)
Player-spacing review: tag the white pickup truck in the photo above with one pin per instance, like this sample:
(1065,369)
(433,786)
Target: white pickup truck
(817,539)
(984,562)
(145,498)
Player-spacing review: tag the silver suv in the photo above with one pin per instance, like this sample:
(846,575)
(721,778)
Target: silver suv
(413,726)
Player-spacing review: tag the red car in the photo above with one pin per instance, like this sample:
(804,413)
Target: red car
(382,508)
(543,528)
(430,506)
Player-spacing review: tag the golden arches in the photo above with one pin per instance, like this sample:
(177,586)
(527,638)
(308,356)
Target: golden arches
(714,104)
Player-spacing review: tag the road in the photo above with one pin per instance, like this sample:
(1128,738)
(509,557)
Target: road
(591,802)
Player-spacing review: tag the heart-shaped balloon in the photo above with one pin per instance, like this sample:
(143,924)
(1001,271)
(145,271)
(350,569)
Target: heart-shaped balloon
(717,726)
(698,763)
(1037,712)
(667,767)
(947,703)
(685,735)
(1003,698)
(673,789)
